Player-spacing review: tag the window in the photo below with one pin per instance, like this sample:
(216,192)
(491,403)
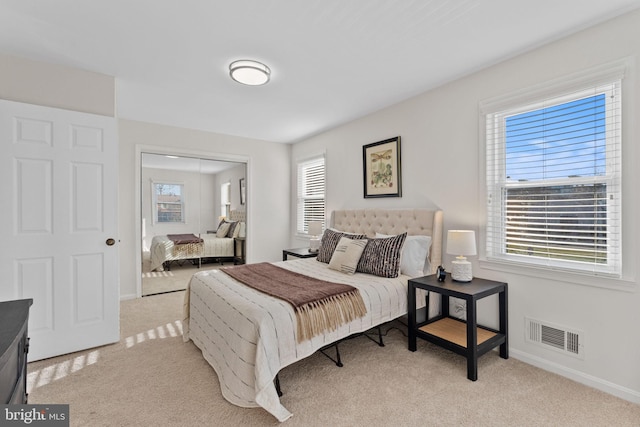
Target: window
(225,199)
(553,177)
(168,202)
(311,187)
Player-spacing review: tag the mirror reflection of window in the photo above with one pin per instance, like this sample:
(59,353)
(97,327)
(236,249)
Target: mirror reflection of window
(168,202)
(225,199)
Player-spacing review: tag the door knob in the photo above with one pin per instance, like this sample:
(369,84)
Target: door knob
(110,242)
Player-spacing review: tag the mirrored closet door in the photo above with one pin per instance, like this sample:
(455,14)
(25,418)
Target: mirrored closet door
(193,216)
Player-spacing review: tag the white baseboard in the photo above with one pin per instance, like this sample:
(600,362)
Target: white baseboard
(128,296)
(586,379)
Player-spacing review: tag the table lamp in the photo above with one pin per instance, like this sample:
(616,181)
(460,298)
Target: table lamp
(315,230)
(461,243)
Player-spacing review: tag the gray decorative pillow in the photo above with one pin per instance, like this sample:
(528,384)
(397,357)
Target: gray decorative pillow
(232,228)
(381,257)
(330,240)
(347,254)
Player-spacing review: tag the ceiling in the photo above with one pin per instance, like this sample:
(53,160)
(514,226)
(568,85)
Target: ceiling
(332,61)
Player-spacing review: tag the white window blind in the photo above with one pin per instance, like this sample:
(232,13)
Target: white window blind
(554,181)
(311,188)
(225,199)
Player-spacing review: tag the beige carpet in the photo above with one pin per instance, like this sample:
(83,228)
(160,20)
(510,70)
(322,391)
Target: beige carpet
(175,279)
(152,378)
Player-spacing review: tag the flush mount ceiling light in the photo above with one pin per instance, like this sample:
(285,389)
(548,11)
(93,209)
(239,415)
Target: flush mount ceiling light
(249,72)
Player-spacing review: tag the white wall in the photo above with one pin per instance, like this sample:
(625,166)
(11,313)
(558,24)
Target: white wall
(208,219)
(199,208)
(232,176)
(56,86)
(440,167)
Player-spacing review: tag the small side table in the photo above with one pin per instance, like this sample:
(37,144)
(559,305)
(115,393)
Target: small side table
(239,258)
(298,253)
(468,339)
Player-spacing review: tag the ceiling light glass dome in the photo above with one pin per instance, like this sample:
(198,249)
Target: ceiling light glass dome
(249,72)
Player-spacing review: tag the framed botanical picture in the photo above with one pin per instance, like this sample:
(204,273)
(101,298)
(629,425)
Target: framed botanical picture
(381,169)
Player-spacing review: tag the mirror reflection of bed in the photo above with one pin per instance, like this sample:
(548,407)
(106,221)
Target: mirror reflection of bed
(186,203)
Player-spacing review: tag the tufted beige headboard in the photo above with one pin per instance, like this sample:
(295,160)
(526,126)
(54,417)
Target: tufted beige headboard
(394,221)
(238,216)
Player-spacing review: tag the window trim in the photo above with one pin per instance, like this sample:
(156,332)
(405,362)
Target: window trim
(299,164)
(501,183)
(599,75)
(225,206)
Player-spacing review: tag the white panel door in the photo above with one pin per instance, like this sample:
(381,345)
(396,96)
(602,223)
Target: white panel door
(58,242)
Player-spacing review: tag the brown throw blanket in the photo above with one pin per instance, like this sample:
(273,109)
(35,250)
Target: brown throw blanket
(319,305)
(183,239)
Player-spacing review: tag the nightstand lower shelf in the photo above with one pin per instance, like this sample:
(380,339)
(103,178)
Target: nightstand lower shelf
(455,331)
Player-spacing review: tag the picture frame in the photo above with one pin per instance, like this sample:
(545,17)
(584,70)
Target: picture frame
(382,173)
(243,192)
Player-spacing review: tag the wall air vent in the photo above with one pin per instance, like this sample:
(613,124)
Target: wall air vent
(559,338)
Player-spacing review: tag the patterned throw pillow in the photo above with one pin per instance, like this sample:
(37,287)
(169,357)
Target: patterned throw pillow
(330,240)
(381,257)
(347,254)
(232,228)
(414,259)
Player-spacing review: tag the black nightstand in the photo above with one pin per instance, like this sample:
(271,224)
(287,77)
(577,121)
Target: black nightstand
(298,253)
(465,338)
(239,241)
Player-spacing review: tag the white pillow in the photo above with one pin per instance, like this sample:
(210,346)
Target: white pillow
(414,259)
(235,230)
(241,230)
(347,254)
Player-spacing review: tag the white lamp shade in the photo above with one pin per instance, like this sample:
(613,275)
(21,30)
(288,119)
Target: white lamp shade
(315,228)
(461,242)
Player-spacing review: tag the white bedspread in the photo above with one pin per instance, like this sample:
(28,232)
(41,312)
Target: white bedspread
(217,246)
(163,249)
(248,336)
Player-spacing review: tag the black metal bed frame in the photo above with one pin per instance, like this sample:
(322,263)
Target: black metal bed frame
(338,360)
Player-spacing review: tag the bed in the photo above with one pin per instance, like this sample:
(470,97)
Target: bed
(248,336)
(165,248)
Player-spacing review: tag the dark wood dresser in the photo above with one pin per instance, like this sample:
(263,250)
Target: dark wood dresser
(14,345)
